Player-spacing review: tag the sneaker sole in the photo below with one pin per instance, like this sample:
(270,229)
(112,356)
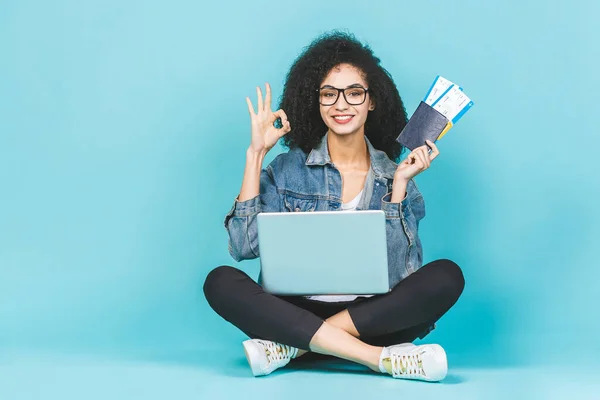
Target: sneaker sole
(251,352)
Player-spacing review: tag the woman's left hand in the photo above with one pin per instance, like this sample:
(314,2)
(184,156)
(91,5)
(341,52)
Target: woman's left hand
(416,162)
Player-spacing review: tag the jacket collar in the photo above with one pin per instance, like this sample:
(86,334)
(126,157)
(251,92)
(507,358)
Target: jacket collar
(380,163)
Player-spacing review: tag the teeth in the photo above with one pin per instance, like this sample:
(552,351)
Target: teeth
(344,118)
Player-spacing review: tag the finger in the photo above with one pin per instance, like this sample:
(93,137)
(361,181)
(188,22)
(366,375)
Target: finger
(433,155)
(412,159)
(280,114)
(260,99)
(432,145)
(420,158)
(421,148)
(427,159)
(284,116)
(434,150)
(286,128)
(283,130)
(425,154)
(268,98)
(424,147)
(250,107)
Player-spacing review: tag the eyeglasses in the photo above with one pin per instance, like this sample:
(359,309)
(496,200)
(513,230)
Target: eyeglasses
(355,95)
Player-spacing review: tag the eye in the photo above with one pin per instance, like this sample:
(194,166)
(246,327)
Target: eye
(356,92)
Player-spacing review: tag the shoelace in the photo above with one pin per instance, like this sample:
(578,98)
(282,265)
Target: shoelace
(407,365)
(277,351)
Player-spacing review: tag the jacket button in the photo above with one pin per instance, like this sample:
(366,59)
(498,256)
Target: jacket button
(297,209)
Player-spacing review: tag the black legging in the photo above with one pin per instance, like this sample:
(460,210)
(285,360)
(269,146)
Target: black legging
(408,311)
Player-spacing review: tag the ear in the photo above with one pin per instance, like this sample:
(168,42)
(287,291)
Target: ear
(371,105)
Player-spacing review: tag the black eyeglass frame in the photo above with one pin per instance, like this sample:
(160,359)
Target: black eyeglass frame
(343,92)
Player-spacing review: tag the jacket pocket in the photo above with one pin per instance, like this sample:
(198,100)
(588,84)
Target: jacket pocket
(298,204)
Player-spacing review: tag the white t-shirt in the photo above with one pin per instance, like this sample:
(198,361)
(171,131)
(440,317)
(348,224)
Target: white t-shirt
(331,298)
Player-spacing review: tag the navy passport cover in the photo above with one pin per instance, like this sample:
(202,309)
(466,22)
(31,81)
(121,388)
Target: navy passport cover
(425,124)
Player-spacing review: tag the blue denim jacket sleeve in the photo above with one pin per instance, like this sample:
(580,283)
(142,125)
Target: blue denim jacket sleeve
(240,221)
(403,219)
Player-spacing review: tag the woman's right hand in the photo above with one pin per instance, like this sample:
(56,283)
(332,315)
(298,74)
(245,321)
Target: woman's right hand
(264,134)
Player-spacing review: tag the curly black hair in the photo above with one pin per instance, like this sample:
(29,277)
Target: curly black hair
(300,100)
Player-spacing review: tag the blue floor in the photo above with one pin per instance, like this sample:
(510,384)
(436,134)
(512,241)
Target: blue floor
(225,375)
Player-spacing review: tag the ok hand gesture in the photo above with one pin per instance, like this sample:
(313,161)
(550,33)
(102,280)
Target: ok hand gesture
(264,134)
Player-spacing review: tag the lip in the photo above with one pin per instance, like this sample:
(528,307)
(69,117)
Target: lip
(342,115)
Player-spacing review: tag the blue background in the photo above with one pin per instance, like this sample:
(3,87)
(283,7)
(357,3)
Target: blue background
(123,129)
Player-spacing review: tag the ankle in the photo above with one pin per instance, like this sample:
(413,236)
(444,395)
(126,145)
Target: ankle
(300,353)
(382,365)
(374,360)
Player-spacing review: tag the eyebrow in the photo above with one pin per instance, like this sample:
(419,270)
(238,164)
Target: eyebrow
(354,85)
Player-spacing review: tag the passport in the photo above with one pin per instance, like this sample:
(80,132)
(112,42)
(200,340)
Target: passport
(426,123)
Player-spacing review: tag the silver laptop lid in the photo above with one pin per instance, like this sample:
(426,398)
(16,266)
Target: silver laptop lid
(323,252)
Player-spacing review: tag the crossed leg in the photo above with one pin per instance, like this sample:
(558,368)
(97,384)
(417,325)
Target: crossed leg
(355,332)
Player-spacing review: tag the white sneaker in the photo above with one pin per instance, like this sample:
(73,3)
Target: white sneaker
(265,356)
(425,362)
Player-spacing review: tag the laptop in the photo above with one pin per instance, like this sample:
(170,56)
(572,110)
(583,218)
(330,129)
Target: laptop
(323,252)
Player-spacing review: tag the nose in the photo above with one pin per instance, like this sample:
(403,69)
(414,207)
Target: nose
(341,103)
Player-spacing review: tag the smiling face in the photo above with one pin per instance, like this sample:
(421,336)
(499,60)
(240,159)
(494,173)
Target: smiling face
(343,118)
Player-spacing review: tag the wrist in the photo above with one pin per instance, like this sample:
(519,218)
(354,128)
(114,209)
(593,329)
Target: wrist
(255,156)
(401,180)
(399,191)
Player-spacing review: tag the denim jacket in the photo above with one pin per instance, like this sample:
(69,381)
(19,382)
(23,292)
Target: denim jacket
(294,182)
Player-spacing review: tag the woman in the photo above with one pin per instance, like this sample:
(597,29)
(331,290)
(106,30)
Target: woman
(344,115)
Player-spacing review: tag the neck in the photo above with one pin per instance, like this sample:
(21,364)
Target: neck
(348,150)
